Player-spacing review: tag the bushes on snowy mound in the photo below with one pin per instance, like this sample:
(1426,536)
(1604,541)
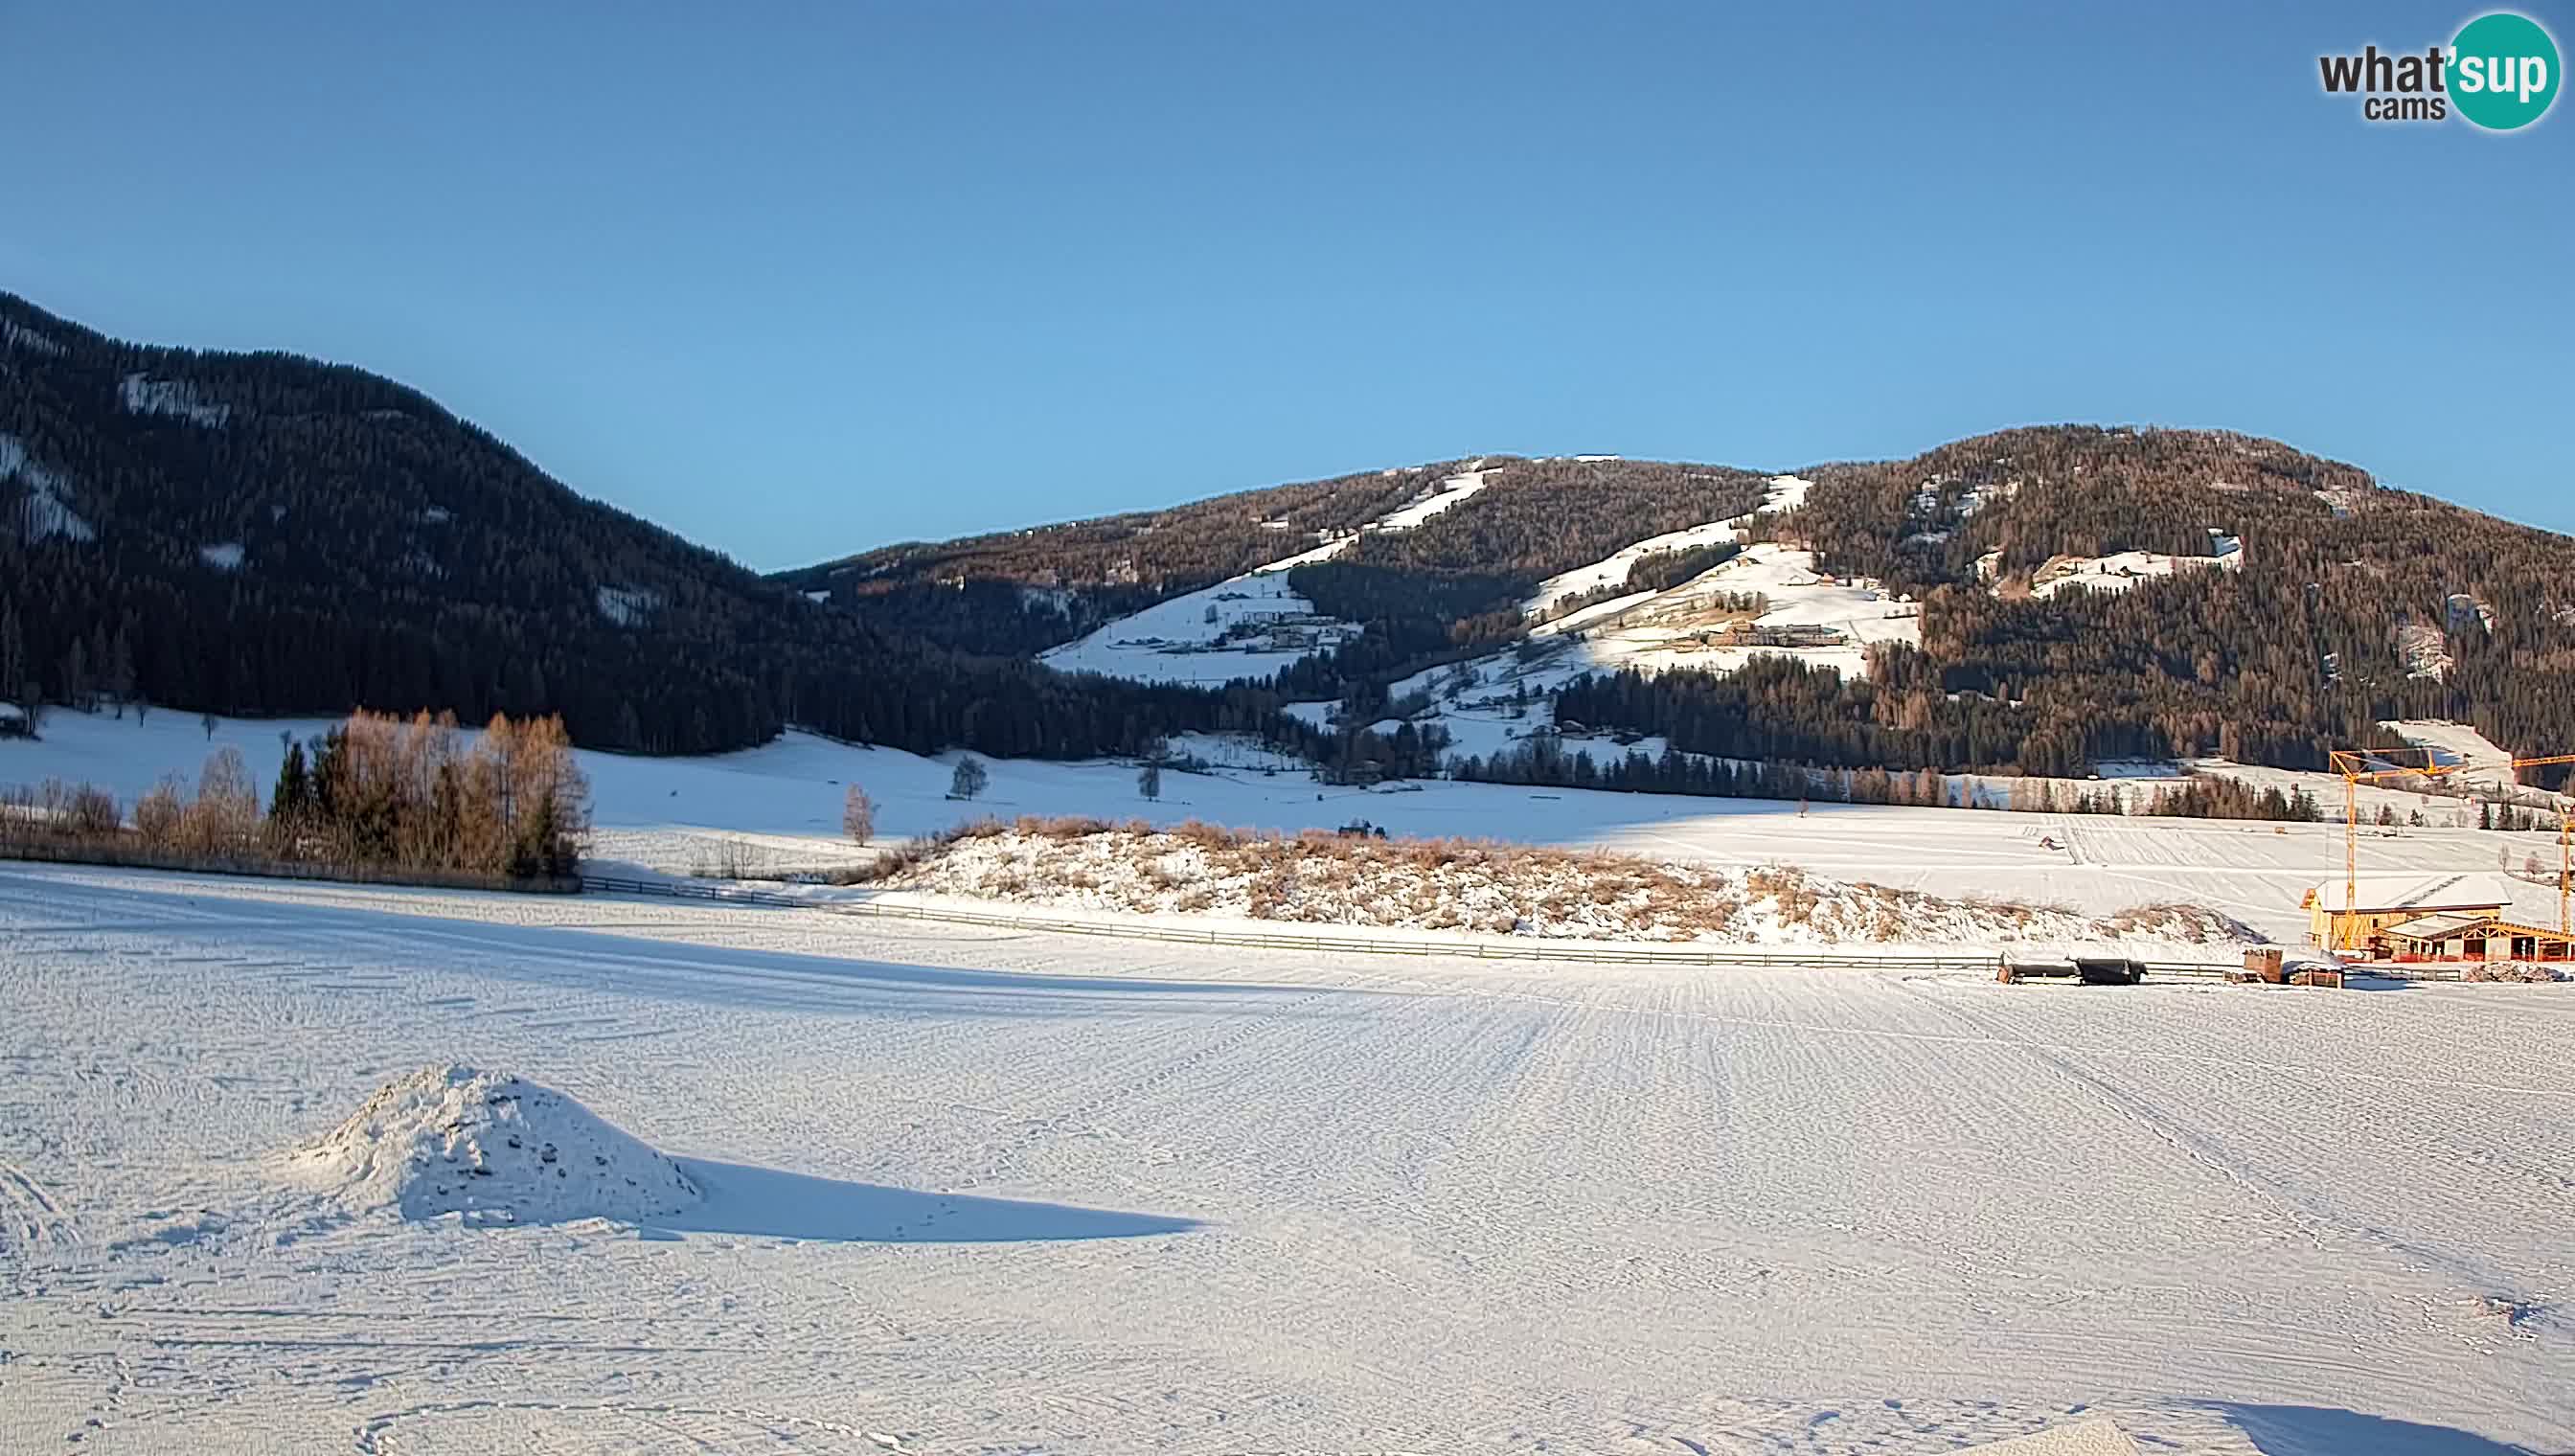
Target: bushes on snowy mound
(2510,972)
(1318,877)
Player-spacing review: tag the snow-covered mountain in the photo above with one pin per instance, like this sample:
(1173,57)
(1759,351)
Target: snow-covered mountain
(265,533)
(2044,599)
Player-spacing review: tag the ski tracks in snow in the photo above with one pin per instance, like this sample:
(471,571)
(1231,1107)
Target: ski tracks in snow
(31,1214)
(1442,1205)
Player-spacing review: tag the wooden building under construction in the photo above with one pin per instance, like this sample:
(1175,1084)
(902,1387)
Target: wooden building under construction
(2468,937)
(2387,900)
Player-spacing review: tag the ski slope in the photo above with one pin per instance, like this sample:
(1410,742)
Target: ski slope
(968,1192)
(1612,569)
(1243,627)
(1697,623)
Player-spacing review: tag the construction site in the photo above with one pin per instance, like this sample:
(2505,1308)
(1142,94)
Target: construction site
(2430,919)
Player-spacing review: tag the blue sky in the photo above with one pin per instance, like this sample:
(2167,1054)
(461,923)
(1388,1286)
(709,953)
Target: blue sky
(795,280)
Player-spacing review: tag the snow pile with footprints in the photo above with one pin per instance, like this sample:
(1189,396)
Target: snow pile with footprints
(489,1146)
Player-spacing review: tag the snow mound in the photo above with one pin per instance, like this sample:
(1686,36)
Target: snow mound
(493,1147)
(2092,1438)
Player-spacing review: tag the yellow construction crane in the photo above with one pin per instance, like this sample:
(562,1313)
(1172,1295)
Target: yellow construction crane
(2369,766)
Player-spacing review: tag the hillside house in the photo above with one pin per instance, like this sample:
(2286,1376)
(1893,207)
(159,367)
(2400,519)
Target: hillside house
(2393,900)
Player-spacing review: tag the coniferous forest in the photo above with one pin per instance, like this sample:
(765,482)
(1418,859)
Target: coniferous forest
(267,534)
(2352,604)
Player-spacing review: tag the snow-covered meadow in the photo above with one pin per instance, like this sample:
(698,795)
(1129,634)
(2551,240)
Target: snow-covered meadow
(778,807)
(956,1190)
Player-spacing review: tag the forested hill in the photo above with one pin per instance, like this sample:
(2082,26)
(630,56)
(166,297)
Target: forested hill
(2350,604)
(1458,575)
(2086,594)
(268,534)
(1023,590)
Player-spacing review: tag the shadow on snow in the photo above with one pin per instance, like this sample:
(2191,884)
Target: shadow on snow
(2305,1430)
(668,969)
(770,1204)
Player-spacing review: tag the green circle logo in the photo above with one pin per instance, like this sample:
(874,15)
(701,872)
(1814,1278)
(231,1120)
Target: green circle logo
(2503,71)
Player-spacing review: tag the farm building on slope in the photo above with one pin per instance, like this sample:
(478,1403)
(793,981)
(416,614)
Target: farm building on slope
(2393,900)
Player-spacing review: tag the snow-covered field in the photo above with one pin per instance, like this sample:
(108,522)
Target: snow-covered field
(2122,570)
(1681,627)
(963,1191)
(784,801)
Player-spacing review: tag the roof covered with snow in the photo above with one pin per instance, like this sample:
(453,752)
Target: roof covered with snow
(2426,892)
(2438,927)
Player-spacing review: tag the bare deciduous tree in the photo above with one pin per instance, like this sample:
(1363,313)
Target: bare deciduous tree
(225,817)
(857,815)
(159,814)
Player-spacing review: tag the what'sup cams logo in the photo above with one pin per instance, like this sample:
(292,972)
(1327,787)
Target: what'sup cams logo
(2500,73)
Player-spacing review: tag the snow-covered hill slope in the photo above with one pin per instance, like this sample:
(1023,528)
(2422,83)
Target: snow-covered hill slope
(2122,570)
(1614,569)
(1768,601)
(2473,757)
(1243,627)
(1802,614)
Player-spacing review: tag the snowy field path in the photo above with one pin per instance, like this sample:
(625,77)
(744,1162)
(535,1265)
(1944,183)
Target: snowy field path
(980,1192)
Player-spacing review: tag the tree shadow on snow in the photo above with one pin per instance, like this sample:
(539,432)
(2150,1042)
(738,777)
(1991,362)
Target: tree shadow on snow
(754,1202)
(2303,1430)
(731,977)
